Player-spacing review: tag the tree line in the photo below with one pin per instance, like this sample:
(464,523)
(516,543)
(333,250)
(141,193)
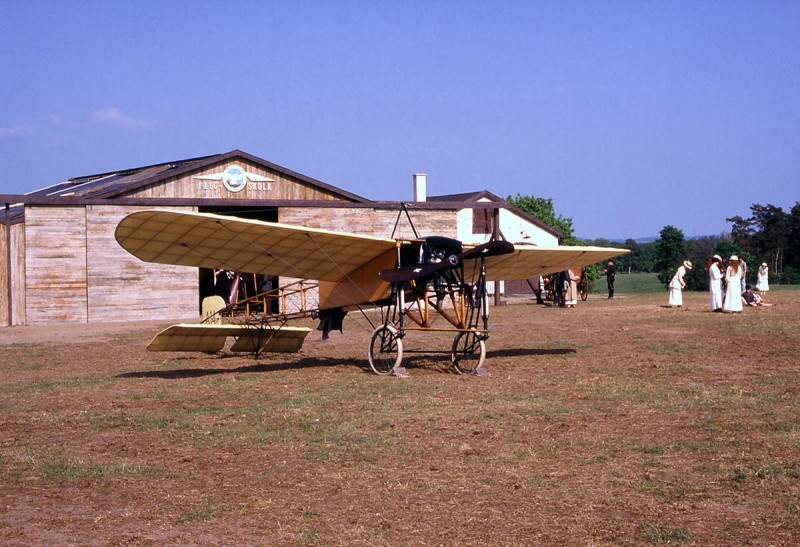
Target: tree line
(769,235)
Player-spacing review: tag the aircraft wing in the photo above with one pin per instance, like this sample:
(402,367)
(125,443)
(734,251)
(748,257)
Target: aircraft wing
(214,241)
(530,261)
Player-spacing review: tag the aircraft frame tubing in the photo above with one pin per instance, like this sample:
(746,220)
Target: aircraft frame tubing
(470,303)
(470,308)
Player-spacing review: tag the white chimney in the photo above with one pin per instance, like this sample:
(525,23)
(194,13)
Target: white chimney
(420,187)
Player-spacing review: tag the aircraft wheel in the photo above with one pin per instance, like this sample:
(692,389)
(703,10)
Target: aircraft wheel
(385,350)
(585,292)
(469,352)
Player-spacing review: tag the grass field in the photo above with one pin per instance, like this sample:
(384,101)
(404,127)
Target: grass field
(648,283)
(644,283)
(619,422)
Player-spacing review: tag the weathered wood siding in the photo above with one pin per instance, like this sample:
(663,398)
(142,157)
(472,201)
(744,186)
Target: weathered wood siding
(377,222)
(4,272)
(55,264)
(427,223)
(123,288)
(192,186)
(75,271)
(356,220)
(18,308)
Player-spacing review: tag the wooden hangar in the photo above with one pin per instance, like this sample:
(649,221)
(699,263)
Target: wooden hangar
(59,261)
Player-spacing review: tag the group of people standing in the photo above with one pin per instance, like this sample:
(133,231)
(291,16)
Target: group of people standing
(564,286)
(730,291)
(568,282)
(729,300)
(727,286)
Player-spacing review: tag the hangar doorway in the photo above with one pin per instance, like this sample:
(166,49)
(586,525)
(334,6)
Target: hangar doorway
(227,284)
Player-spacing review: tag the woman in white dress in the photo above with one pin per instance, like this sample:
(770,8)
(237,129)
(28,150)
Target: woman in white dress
(715,283)
(677,284)
(733,296)
(762,281)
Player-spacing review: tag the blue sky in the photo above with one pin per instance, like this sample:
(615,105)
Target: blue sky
(630,115)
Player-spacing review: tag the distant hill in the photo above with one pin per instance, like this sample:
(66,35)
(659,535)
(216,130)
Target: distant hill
(637,239)
(618,240)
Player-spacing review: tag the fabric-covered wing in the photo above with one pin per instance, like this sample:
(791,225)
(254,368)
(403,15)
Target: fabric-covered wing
(530,261)
(214,241)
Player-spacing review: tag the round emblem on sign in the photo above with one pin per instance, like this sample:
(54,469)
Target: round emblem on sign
(234,178)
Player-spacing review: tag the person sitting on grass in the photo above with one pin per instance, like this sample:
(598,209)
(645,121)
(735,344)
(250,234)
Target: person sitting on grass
(748,298)
(759,298)
(752,299)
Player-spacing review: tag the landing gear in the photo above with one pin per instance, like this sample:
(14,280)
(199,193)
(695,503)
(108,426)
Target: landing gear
(385,350)
(469,353)
(438,285)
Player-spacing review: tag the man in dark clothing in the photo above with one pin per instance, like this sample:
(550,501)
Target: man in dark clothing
(558,289)
(749,296)
(611,272)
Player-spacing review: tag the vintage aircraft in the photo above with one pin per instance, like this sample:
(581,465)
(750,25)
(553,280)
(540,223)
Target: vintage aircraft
(412,281)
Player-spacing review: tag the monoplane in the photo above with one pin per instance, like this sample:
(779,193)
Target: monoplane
(412,281)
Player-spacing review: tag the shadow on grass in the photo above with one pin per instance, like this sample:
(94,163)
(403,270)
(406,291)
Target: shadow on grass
(413,359)
(178,374)
(526,352)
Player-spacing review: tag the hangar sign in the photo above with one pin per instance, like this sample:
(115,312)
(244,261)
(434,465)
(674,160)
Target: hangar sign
(234,179)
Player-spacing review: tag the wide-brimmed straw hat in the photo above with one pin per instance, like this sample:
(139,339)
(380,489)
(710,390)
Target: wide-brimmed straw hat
(764,264)
(687,264)
(717,257)
(734,257)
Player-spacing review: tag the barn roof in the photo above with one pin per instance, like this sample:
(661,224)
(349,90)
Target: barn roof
(467,196)
(117,184)
(122,183)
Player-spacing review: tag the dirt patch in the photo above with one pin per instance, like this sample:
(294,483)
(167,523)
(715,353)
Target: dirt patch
(618,422)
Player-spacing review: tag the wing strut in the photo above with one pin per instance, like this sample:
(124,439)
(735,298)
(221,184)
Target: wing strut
(404,209)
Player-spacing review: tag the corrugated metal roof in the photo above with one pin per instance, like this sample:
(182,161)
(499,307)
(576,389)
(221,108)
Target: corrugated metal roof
(122,183)
(16,213)
(467,196)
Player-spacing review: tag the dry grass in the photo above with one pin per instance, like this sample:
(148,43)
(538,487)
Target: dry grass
(618,422)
